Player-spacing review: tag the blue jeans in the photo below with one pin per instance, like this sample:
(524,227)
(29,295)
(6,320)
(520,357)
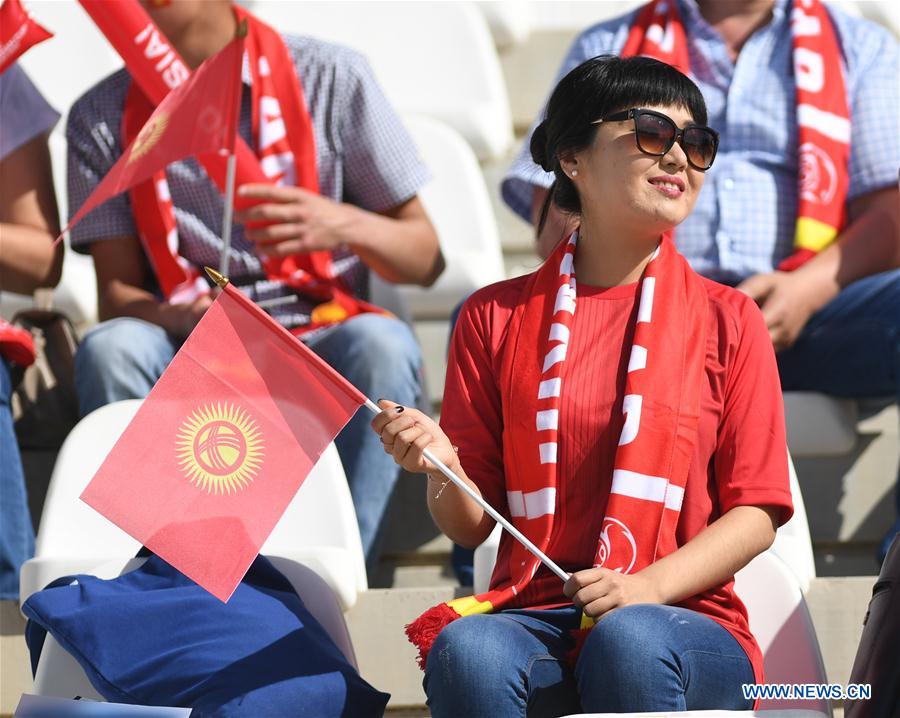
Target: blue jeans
(123,358)
(638,658)
(16,532)
(851,348)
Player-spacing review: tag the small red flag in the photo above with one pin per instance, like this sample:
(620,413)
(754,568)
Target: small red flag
(18,32)
(221,444)
(197,117)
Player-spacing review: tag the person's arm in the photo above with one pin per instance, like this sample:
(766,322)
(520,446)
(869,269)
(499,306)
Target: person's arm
(29,221)
(400,243)
(471,416)
(868,245)
(750,467)
(406,433)
(870,241)
(709,559)
(121,273)
(380,216)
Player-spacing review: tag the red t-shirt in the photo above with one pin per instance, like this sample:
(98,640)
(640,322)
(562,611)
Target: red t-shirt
(740,457)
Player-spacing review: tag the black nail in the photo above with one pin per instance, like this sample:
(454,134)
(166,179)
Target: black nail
(399,409)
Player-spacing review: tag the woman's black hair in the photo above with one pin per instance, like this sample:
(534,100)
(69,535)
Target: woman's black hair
(596,88)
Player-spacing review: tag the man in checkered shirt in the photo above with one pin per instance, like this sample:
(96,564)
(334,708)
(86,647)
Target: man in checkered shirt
(367,214)
(835,322)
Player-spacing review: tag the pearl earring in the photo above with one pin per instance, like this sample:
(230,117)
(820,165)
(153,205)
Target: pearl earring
(574,173)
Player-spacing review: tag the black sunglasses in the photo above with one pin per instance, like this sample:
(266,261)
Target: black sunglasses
(655,134)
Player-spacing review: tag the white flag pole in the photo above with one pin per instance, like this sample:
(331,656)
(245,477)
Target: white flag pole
(227,214)
(228,211)
(493,513)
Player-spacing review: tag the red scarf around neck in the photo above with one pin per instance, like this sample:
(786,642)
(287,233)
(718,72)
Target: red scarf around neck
(823,115)
(285,154)
(661,409)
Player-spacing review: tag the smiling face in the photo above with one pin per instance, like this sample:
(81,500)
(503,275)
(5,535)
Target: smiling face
(617,183)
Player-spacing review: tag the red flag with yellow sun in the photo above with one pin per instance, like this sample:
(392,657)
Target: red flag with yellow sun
(221,444)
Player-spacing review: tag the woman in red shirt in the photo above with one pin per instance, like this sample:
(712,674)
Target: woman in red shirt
(629,423)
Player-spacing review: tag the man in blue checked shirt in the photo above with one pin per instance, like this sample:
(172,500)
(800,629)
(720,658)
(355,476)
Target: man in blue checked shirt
(365,216)
(835,321)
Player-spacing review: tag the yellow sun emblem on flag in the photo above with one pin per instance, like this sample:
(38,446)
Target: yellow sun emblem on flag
(148,136)
(220,448)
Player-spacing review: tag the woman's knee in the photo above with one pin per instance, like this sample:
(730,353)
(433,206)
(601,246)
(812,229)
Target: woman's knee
(627,642)
(467,651)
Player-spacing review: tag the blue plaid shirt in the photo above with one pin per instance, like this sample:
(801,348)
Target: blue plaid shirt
(744,219)
(364,156)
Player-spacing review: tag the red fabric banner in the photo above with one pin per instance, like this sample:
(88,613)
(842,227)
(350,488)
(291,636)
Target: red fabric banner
(198,117)
(222,443)
(18,32)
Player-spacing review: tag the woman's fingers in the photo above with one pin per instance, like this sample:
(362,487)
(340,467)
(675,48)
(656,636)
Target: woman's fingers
(406,448)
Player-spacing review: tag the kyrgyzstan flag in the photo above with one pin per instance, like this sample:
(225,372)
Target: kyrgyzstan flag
(18,32)
(197,117)
(221,444)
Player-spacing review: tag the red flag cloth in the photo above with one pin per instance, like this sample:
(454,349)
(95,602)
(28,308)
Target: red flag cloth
(221,444)
(198,117)
(18,32)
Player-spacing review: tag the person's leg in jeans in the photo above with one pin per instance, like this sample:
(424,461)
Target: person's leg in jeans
(661,658)
(851,348)
(16,532)
(120,359)
(503,665)
(380,356)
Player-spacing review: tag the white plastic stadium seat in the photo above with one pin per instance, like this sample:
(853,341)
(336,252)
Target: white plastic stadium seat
(59,675)
(510,22)
(458,204)
(318,529)
(433,58)
(792,545)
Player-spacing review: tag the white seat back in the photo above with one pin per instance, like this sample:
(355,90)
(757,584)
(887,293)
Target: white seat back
(793,544)
(459,206)
(780,621)
(510,22)
(318,528)
(433,58)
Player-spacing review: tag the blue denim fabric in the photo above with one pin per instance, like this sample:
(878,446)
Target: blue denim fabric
(122,359)
(638,658)
(16,532)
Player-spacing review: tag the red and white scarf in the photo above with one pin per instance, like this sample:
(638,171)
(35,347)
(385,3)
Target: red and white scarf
(285,154)
(661,410)
(823,115)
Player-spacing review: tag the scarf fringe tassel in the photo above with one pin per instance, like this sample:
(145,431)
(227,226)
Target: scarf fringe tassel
(423,632)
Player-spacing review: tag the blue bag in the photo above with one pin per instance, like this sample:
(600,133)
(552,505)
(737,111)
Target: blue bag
(154,637)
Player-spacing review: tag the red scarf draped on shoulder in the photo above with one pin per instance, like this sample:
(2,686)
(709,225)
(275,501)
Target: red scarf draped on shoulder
(661,408)
(823,115)
(285,154)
